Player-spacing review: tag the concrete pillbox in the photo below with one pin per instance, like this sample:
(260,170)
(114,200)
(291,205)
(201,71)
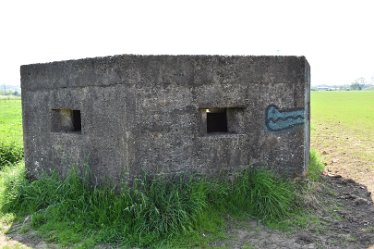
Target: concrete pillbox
(129,114)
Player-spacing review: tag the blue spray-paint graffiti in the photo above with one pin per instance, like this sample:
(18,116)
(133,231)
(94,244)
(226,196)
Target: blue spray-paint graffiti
(277,120)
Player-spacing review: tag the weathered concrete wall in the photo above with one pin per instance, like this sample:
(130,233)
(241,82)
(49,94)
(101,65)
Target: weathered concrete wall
(148,113)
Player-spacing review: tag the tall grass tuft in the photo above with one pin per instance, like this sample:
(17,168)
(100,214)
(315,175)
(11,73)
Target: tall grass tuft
(271,197)
(10,154)
(316,167)
(149,211)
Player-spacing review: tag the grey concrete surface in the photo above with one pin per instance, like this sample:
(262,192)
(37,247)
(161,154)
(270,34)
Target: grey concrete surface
(149,114)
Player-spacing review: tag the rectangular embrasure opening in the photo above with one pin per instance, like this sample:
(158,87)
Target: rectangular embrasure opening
(66,120)
(216,120)
(222,120)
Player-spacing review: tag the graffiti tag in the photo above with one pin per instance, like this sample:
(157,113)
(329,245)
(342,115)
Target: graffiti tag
(277,120)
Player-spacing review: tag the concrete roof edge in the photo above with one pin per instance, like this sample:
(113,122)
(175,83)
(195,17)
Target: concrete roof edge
(118,56)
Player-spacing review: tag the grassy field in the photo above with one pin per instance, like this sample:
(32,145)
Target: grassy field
(343,133)
(354,110)
(10,121)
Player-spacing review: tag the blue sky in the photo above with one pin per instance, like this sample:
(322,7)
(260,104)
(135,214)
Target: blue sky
(337,37)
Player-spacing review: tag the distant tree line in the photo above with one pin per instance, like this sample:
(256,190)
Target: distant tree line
(359,84)
(10,93)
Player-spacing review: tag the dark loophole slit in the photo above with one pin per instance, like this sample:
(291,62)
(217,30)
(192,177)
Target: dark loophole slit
(216,121)
(66,120)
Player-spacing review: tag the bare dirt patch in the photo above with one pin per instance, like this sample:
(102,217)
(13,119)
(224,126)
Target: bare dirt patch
(346,153)
(345,220)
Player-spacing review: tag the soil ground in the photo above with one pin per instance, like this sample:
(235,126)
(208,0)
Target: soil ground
(346,220)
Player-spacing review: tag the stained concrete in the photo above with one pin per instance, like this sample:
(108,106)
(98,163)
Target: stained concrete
(149,114)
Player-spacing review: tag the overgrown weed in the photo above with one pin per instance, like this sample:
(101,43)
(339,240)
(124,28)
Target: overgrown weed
(10,153)
(305,211)
(316,167)
(150,212)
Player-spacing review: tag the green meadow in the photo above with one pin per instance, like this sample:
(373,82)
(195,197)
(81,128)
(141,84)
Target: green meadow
(11,121)
(354,110)
(343,130)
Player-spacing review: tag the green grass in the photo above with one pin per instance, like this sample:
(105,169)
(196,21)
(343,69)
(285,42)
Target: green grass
(11,122)
(353,110)
(10,154)
(11,147)
(303,214)
(343,126)
(316,167)
(151,212)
